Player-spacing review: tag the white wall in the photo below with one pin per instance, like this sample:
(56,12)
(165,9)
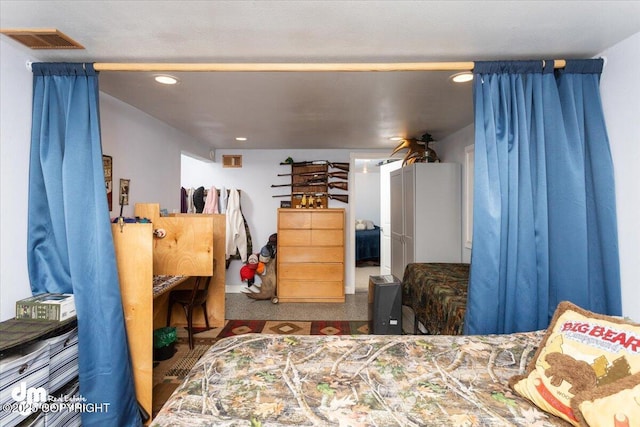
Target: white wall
(15,137)
(145,151)
(620,90)
(260,169)
(367,198)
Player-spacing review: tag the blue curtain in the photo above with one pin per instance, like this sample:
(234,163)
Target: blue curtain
(544,224)
(70,247)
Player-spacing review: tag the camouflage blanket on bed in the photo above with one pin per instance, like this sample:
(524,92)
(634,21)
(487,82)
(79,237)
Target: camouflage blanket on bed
(363,380)
(437,293)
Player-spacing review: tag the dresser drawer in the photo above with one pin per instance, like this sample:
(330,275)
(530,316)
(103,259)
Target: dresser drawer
(311,272)
(37,419)
(327,238)
(291,237)
(310,238)
(311,253)
(305,289)
(311,219)
(27,369)
(63,365)
(297,219)
(327,219)
(66,417)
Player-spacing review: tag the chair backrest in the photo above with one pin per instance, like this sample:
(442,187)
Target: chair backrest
(198,296)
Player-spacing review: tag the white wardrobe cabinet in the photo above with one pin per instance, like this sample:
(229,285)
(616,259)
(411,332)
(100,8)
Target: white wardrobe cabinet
(426,217)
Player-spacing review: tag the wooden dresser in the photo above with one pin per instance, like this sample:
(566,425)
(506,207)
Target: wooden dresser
(310,255)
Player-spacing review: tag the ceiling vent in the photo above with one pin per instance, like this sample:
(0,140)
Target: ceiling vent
(42,38)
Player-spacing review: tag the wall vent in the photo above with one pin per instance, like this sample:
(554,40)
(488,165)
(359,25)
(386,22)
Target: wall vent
(42,38)
(231,160)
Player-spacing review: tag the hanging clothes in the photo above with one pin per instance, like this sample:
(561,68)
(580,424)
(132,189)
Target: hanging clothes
(198,199)
(190,207)
(236,232)
(184,203)
(236,255)
(223,200)
(249,241)
(211,204)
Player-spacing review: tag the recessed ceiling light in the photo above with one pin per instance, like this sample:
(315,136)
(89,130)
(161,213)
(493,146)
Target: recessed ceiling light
(463,77)
(241,138)
(166,80)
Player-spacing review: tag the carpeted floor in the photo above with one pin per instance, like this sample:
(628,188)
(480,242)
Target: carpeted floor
(168,374)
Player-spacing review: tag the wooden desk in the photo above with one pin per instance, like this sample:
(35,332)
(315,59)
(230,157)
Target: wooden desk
(163,284)
(193,246)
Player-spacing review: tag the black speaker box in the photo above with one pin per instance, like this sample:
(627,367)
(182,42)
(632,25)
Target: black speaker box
(385,305)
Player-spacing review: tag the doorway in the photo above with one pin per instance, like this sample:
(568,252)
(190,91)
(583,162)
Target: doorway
(369,217)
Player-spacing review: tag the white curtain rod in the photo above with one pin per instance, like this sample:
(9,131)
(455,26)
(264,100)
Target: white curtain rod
(213,67)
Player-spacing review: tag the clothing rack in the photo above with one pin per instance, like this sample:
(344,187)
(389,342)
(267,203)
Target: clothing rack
(206,192)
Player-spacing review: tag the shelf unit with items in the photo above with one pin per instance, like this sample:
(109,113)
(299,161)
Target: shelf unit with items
(310,184)
(309,190)
(39,355)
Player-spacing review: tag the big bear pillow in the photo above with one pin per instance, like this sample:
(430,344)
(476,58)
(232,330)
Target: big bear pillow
(616,404)
(581,351)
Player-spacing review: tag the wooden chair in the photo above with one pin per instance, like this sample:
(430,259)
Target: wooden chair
(189,299)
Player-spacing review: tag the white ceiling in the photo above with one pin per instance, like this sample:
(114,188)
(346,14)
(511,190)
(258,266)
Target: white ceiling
(316,109)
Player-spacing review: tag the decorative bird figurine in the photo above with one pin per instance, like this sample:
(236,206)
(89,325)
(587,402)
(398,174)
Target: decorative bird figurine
(419,150)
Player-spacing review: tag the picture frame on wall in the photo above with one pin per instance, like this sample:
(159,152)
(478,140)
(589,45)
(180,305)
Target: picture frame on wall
(124,191)
(107,165)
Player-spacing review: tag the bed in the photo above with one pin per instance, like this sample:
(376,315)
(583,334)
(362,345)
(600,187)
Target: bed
(377,380)
(437,295)
(368,246)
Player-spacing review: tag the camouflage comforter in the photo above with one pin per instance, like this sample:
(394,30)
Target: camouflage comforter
(364,380)
(437,293)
